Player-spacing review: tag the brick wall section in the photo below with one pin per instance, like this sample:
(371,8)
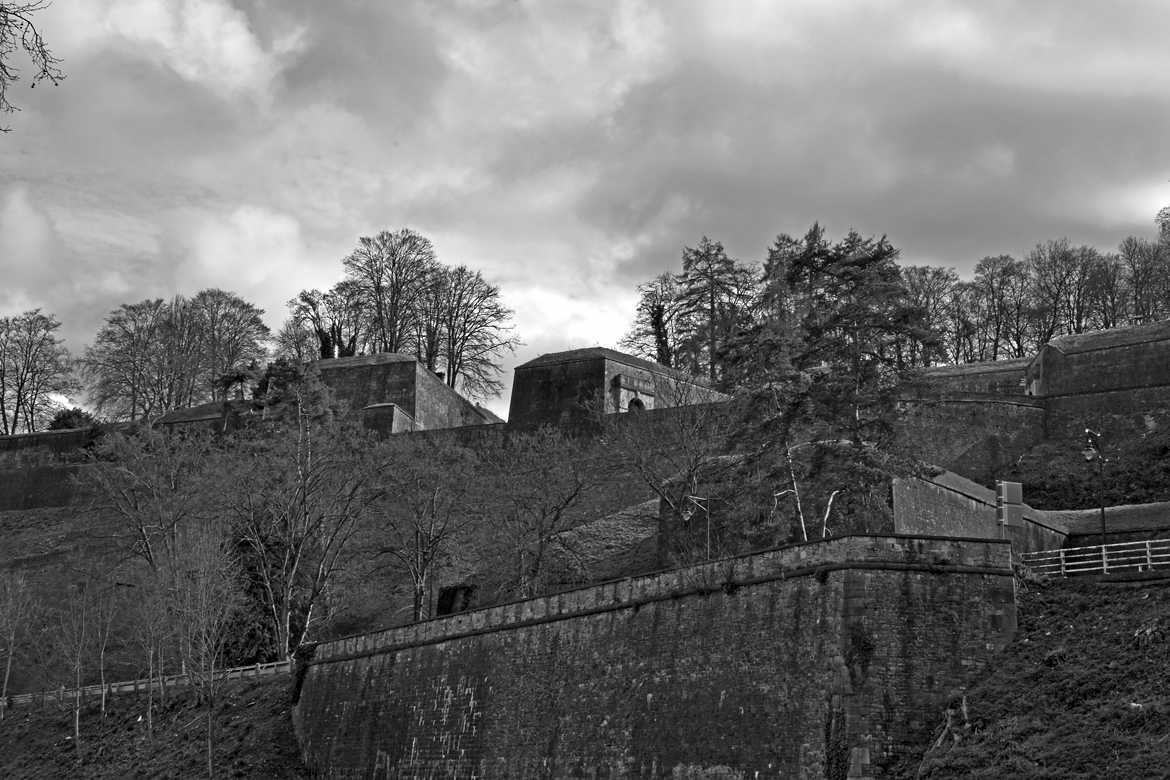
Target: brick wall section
(778,663)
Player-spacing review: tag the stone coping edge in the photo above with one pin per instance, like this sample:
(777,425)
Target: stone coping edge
(895,552)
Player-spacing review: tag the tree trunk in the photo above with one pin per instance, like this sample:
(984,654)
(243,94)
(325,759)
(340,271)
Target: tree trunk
(210,765)
(150,694)
(77,709)
(102,675)
(7,672)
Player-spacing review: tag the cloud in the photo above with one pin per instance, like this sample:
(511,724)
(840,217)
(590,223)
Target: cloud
(206,42)
(29,246)
(568,150)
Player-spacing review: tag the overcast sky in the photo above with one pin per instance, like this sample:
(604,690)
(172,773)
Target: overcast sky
(567,150)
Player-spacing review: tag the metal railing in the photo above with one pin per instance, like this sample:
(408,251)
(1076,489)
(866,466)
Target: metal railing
(1101,559)
(62,695)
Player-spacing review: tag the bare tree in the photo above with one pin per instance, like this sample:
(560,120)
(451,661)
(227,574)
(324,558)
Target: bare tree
(152,485)
(295,515)
(106,607)
(1051,268)
(34,367)
(74,634)
(476,331)
(234,335)
(674,452)
(421,506)
(931,290)
(17,609)
(655,334)
(205,595)
(1147,277)
(154,356)
(150,625)
(336,317)
(17,32)
(296,342)
(535,478)
(390,270)
(430,319)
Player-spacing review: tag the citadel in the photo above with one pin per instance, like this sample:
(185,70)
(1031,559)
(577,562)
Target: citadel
(820,659)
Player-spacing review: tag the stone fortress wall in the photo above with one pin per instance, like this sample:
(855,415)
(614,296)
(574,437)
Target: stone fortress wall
(977,418)
(567,388)
(798,661)
(817,660)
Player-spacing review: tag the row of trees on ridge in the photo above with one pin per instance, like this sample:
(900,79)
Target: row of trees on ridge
(157,355)
(396,296)
(1008,309)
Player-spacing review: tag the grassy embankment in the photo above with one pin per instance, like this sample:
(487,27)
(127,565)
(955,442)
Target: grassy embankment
(253,737)
(1082,692)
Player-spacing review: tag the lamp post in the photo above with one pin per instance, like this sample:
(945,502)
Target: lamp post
(1092,452)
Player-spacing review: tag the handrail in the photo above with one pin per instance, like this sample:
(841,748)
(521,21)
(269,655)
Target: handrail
(133,686)
(1120,556)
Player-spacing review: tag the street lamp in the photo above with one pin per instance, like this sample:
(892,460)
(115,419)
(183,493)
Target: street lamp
(1092,452)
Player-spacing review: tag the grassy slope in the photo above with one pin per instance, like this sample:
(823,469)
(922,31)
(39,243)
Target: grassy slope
(253,727)
(1081,693)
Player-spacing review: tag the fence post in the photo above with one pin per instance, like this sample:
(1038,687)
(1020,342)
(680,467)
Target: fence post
(1104,561)
(1149,557)
(1063,573)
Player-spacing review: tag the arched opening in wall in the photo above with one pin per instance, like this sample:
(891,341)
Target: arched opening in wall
(636,405)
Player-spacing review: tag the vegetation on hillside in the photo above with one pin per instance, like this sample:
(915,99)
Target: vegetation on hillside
(1132,468)
(1080,693)
(252,718)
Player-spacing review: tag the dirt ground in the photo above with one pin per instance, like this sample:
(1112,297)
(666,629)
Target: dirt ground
(253,737)
(1082,692)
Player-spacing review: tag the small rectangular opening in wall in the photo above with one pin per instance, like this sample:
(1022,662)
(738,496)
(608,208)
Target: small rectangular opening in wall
(455,598)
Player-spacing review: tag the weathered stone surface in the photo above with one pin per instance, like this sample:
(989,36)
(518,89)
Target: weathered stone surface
(401,380)
(566,388)
(778,663)
(950,505)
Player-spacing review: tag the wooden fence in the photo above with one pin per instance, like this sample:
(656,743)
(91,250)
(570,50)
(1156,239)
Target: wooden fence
(1101,559)
(63,695)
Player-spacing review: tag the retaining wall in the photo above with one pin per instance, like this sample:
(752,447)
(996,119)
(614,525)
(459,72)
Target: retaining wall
(950,505)
(976,436)
(785,663)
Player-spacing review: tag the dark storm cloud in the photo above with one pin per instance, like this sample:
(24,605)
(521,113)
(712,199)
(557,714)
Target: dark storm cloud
(569,150)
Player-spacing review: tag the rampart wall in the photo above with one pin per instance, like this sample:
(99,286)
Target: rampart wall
(1124,359)
(977,436)
(34,487)
(785,663)
(952,505)
(1119,412)
(995,377)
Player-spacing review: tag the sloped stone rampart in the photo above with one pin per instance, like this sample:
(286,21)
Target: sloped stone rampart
(978,437)
(774,664)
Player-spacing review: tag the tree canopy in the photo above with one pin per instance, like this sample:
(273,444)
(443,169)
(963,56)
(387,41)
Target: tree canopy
(396,296)
(35,371)
(154,356)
